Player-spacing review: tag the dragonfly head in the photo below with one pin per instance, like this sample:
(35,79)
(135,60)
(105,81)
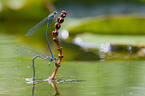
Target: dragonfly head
(55,12)
(52,15)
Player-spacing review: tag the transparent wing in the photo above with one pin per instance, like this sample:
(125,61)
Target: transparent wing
(36,27)
(29,50)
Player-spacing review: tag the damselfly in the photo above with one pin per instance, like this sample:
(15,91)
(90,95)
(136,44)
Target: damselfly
(32,31)
(37,26)
(28,50)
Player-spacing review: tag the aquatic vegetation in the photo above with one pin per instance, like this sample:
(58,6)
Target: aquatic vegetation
(109,25)
(55,34)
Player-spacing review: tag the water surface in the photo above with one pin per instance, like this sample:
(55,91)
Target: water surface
(74,78)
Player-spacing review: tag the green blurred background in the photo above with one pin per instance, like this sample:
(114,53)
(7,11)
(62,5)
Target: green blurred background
(91,24)
(103,46)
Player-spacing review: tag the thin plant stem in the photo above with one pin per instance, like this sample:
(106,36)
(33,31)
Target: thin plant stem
(55,39)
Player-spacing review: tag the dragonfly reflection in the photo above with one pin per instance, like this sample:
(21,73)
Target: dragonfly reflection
(56,92)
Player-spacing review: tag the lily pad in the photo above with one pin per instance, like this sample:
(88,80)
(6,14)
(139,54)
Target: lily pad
(111,24)
(112,39)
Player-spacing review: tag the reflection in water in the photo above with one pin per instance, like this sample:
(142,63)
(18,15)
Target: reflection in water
(33,88)
(109,78)
(53,85)
(55,88)
(54,91)
(111,50)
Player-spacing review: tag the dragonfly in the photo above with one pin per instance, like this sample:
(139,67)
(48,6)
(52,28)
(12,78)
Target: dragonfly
(36,53)
(37,26)
(29,50)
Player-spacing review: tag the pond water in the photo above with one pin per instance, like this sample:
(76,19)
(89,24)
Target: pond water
(74,78)
(107,78)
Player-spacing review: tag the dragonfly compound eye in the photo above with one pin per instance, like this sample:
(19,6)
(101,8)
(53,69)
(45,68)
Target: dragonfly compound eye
(54,33)
(57,26)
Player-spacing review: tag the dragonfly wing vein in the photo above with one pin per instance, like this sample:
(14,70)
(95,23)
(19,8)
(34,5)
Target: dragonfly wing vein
(29,50)
(36,27)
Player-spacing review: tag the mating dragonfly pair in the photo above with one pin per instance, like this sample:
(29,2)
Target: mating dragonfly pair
(34,52)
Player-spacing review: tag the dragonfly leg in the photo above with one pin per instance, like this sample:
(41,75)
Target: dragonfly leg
(34,66)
